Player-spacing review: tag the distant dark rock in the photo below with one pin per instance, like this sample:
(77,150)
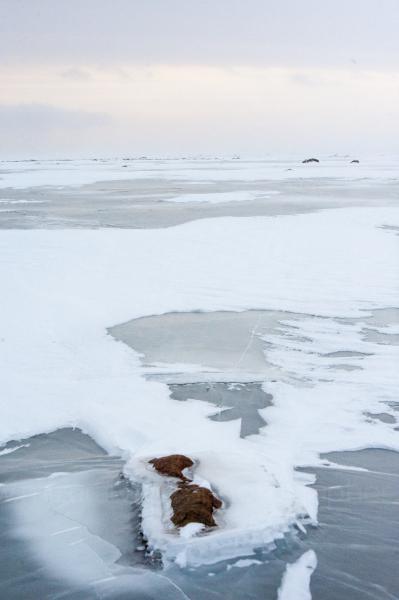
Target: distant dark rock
(355,161)
(310,160)
(193,504)
(172,465)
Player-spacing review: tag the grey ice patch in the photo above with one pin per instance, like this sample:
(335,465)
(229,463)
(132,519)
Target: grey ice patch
(346,354)
(62,450)
(222,341)
(143,202)
(384,417)
(235,401)
(358,518)
(383,317)
(380,337)
(343,367)
(64,478)
(393,228)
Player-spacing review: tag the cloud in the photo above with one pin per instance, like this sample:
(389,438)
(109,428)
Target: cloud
(76,74)
(191,110)
(281,33)
(305,79)
(42,117)
(31,129)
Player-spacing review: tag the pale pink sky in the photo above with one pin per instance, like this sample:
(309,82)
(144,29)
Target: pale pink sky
(106,77)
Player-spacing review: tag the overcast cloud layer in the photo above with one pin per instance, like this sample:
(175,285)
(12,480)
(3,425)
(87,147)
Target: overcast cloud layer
(185,76)
(229,32)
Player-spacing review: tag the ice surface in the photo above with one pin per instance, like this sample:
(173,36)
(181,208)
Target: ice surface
(72,534)
(78,283)
(58,516)
(142,194)
(233,401)
(354,559)
(65,526)
(216,343)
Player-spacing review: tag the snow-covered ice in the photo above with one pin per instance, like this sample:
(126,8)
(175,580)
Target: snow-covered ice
(25,174)
(221,197)
(64,288)
(305,304)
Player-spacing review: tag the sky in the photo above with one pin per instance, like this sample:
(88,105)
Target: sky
(175,77)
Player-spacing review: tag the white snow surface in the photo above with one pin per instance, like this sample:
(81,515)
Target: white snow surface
(190,530)
(296,579)
(222,197)
(25,174)
(62,289)
(21,201)
(12,449)
(243,563)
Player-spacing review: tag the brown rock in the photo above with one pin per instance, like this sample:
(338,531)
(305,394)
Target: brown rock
(193,504)
(172,465)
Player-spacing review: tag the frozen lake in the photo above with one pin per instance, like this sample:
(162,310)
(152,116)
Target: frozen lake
(90,508)
(242,312)
(163,193)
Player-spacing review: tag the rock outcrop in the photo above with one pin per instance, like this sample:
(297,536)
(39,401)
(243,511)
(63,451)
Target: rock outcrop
(191,503)
(355,161)
(310,160)
(172,465)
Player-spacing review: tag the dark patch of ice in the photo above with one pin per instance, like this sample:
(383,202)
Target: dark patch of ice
(235,401)
(68,451)
(345,367)
(346,354)
(379,337)
(384,417)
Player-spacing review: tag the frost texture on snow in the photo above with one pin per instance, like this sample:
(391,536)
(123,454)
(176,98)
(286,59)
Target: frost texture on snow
(66,287)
